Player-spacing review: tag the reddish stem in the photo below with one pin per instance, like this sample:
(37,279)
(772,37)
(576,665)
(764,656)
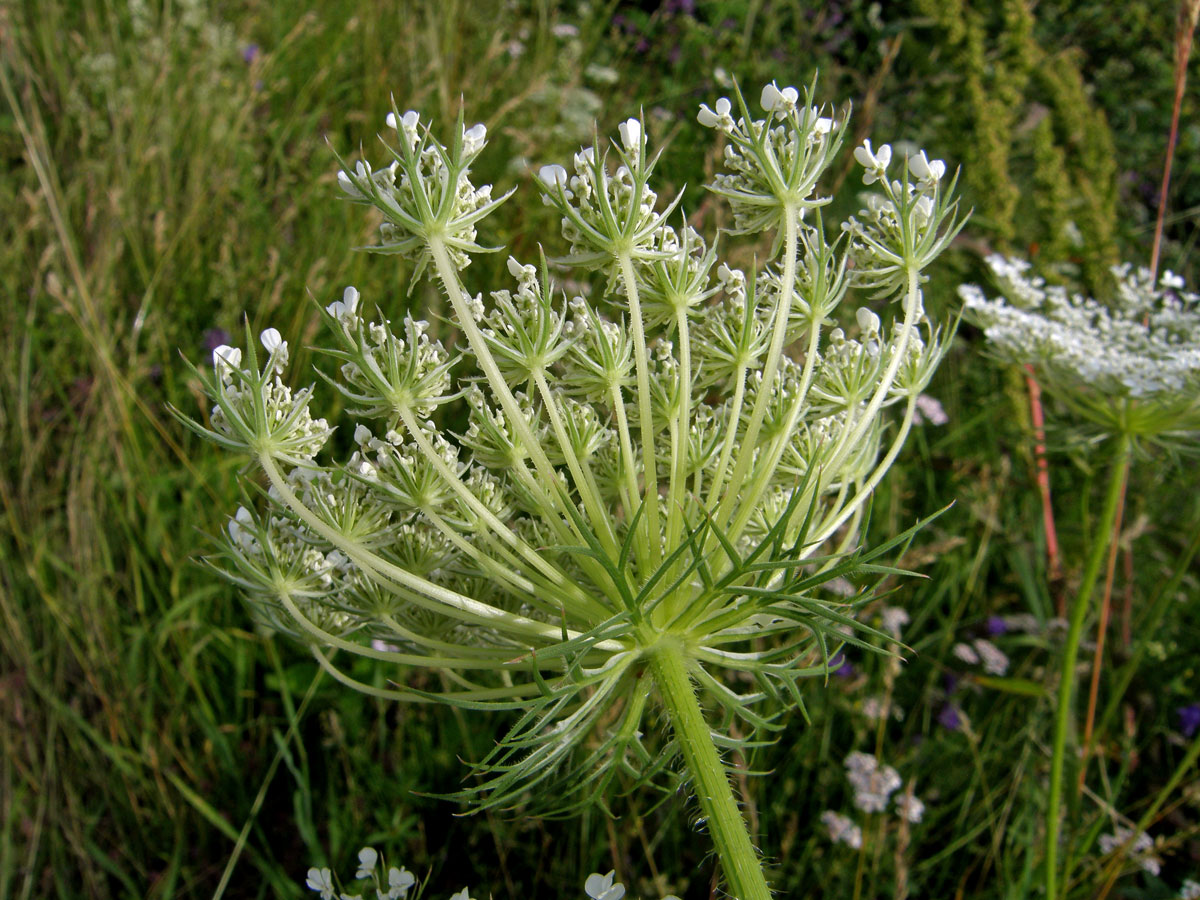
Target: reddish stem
(1184,30)
(1053,559)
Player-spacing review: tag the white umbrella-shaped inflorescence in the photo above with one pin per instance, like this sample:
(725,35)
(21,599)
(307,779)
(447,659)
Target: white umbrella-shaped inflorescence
(641,494)
(1129,366)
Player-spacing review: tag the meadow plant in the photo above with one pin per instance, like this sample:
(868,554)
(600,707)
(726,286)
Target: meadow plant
(1130,371)
(589,507)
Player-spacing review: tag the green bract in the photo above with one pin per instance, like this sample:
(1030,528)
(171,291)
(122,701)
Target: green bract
(655,484)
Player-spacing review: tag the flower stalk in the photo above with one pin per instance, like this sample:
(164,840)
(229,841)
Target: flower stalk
(1080,607)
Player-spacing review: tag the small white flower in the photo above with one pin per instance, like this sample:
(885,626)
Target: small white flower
(965,653)
(773,98)
(520,272)
(993,658)
(894,617)
(823,125)
(399,881)
(367,858)
(474,138)
(226,358)
(464,894)
(271,339)
(631,134)
(601,887)
(1173,282)
(553,176)
(237,532)
(841,829)
(859,762)
(722,117)
(346,307)
(927,173)
(564,30)
(909,808)
(929,409)
(874,161)
(1140,847)
(347,185)
(868,322)
(1189,890)
(321,880)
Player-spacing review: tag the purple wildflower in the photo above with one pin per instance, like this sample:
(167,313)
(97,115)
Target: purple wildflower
(215,337)
(1189,718)
(840,666)
(949,718)
(249,53)
(996,626)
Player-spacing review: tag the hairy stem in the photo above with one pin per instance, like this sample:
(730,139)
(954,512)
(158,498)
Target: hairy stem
(739,860)
(1066,687)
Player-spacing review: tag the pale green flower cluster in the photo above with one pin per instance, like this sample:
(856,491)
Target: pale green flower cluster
(593,503)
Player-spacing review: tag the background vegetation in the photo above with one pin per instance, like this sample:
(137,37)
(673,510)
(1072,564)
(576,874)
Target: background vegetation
(166,172)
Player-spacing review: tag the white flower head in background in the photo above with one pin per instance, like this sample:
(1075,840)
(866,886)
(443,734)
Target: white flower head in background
(1129,366)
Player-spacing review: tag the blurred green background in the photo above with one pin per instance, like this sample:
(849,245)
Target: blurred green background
(168,170)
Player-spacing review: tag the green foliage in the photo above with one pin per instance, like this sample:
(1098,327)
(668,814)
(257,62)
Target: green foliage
(1026,179)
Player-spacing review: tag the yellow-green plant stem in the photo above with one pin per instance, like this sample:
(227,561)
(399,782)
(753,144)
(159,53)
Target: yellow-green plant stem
(1066,687)
(739,860)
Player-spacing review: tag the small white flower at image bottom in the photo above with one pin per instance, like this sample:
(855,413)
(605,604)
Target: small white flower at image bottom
(603,887)
(367,859)
(321,880)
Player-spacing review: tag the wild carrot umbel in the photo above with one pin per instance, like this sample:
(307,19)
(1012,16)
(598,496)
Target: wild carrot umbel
(647,492)
(1130,370)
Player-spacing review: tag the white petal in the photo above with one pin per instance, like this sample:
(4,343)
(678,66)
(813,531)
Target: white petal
(226,356)
(553,176)
(631,134)
(271,339)
(864,156)
(771,98)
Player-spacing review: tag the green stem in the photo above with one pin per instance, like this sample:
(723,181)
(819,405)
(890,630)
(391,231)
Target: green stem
(1066,687)
(739,860)
(787,283)
(649,458)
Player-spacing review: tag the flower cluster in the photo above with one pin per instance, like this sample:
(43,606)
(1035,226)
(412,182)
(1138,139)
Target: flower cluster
(394,885)
(1136,846)
(425,191)
(397,882)
(1131,366)
(982,652)
(595,501)
(874,788)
